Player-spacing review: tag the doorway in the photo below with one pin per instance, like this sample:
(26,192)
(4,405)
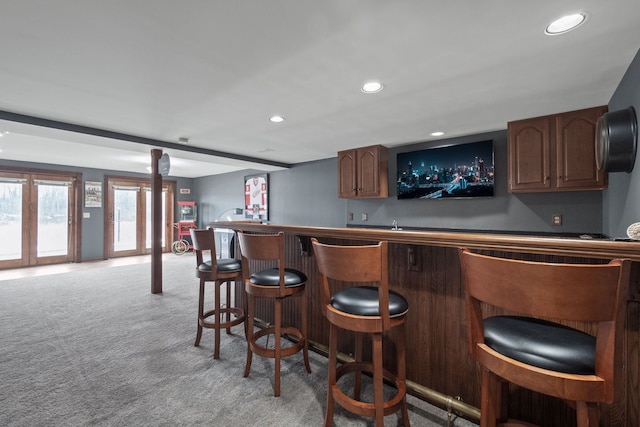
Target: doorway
(128,216)
(38,218)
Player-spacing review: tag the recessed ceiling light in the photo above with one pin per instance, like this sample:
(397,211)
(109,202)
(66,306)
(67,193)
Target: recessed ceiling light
(276,119)
(372,87)
(566,23)
(183,140)
(438,133)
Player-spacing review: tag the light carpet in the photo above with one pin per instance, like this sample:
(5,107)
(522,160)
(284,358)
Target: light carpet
(94,347)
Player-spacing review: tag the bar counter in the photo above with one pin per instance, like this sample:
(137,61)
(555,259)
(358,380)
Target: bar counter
(424,267)
(590,248)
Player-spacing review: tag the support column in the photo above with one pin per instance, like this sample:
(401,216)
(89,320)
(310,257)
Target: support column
(156,223)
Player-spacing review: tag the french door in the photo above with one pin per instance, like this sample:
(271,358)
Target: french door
(128,216)
(38,218)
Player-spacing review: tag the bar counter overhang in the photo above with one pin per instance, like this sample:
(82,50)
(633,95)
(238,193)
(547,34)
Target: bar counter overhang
(424,267)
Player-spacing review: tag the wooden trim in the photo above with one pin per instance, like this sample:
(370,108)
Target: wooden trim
(78,198)
(107,226)
(575,247)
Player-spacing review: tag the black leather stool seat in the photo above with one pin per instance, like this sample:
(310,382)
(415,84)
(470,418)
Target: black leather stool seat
(540,343)
(225,265)
(271,277)
(363,301)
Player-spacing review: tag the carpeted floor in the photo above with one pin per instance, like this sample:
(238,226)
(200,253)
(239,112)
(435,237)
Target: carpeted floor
(94,347)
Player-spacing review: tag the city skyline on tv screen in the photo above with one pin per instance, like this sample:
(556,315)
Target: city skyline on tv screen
(455,171)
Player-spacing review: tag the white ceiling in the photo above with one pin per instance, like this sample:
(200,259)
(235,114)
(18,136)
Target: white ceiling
(214,71)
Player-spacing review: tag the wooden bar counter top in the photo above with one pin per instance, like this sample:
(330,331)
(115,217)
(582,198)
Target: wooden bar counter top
(424,267)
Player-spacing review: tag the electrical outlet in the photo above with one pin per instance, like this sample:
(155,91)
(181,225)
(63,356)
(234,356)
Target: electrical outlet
(365,216)
(350,216)
(556,219)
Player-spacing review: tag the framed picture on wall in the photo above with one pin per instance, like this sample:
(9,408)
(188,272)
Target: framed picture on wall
(256,197)
(92,194)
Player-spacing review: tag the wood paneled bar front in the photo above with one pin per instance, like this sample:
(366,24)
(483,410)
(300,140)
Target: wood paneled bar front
(424,267)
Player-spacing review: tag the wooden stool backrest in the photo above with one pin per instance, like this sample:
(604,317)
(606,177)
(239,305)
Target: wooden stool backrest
(262,247)
(593,293)
(355,264)
(204,246)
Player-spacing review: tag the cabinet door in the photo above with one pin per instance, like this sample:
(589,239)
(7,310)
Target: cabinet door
(368,173)
(372,172)
(347,174)
(575,150)
(529,166)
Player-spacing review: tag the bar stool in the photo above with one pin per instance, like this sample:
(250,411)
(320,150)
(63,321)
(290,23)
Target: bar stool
(277,284)
(372,309)
(531,349)
(219,271)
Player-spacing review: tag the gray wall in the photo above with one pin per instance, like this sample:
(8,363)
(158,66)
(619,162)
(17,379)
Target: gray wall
(505,211)
(621,201)
(93,227)
(307,195)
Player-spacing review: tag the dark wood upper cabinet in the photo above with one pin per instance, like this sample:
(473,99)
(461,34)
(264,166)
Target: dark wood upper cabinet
(576,158)
(555,153)
(347,174)
(529,157)
(363,172)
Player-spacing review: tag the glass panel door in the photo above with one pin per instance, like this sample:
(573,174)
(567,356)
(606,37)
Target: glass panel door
(125,218)
(11,218)
(53,220)
(51,217)
(128,216)
(148,217)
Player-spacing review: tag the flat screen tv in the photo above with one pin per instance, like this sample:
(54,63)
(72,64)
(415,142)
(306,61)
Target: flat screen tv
(453,171)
